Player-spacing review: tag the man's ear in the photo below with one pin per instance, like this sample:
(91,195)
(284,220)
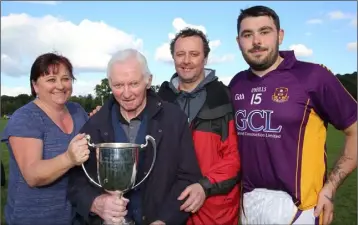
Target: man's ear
(281,35)
(238,42)
(149,81)
(34,85)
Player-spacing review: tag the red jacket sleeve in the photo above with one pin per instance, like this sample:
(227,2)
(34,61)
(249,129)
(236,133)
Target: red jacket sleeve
(225,174)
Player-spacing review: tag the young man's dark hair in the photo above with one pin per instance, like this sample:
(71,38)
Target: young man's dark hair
(189,32)
(257,11)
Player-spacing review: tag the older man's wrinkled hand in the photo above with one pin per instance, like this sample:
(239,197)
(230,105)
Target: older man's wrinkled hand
(195,195)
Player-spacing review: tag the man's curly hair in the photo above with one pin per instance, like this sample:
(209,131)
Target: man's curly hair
(190,32)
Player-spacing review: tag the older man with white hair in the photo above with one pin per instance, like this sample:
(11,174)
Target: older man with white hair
(132,112)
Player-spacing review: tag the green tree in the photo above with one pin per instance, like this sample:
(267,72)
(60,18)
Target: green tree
(349,81)
(103,90)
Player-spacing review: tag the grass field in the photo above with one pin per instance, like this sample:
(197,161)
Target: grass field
(346,199)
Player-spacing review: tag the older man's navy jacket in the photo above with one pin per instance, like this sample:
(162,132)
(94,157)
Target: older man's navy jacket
(175,168)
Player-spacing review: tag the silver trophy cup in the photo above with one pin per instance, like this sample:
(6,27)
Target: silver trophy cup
(117,166)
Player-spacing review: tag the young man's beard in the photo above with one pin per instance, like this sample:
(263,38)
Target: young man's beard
(263,64)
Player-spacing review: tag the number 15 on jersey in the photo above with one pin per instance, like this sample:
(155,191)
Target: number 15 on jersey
(256,98)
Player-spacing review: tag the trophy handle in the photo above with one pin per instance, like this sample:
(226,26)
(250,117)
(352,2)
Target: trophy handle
(152,140)
(88,137)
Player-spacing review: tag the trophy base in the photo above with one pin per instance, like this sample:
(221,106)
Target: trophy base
(126,221)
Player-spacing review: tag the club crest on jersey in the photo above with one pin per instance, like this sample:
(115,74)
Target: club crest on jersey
(280,95)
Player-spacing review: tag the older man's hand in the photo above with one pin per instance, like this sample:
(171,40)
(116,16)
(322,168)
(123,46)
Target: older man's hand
(110,207)
(196,197)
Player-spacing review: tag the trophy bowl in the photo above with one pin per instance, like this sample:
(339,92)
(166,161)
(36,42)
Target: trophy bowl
(117,165)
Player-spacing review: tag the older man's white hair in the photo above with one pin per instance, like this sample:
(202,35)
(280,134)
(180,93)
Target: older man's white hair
(126,54)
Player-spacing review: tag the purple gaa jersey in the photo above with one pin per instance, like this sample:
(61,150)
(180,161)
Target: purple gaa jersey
(281,121)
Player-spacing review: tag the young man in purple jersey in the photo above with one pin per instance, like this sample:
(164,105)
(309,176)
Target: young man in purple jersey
(282,108)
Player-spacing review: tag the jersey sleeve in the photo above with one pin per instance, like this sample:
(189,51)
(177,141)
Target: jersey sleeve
(24,123)
(331,100)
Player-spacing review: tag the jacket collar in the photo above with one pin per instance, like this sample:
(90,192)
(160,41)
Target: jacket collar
(217,102)
(217,94)
(153,107)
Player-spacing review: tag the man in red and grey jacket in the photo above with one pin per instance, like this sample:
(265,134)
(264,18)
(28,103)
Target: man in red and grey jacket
(215,199)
